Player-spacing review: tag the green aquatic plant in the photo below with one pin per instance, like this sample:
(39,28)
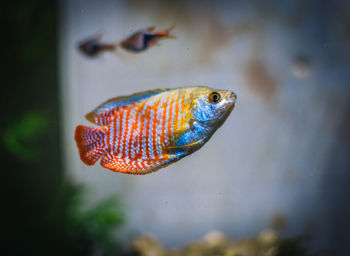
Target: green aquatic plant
(21,137)
(84,230)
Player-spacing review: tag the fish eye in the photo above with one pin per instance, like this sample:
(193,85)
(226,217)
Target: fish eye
(214,97)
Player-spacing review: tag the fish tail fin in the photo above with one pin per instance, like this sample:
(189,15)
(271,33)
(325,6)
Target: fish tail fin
(117,45)
(91,143)
(171,28)
(114,47)
(110,47)
(167,34)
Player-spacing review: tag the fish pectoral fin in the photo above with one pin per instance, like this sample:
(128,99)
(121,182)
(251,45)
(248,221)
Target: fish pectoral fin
(106,112)
(186,149)
(136,166)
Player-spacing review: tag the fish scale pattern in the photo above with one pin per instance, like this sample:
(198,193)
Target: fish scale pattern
(138,136)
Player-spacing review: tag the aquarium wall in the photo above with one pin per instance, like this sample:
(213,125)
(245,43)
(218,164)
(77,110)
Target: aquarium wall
(281,155)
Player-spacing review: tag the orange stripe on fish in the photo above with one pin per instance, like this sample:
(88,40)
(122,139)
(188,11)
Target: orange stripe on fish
(171,113)
(126,130)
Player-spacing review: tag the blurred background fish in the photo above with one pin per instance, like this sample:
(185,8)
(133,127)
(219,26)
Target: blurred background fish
(137,42)
(144,39)
(93,47)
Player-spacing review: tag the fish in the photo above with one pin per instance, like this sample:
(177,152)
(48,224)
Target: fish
(93,47)
(144,39)
(144,132)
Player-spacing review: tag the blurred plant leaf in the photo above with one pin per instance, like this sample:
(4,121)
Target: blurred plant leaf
(88,227)
(21,137)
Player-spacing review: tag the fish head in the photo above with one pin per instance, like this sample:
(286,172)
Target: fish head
(211,107)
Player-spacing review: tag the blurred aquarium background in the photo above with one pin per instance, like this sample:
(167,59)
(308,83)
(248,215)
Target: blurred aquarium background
(273,180)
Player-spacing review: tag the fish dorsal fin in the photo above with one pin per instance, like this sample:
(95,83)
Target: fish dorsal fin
(105,113)
(151,28)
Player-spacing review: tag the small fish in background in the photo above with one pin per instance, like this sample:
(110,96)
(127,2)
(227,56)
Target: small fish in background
(144,39)
(94,46)
(146,131)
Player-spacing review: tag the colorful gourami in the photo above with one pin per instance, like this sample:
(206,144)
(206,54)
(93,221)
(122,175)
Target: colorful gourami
(138,133)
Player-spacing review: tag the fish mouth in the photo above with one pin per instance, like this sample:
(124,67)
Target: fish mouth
(230,105)
(234,95)
(231,100)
